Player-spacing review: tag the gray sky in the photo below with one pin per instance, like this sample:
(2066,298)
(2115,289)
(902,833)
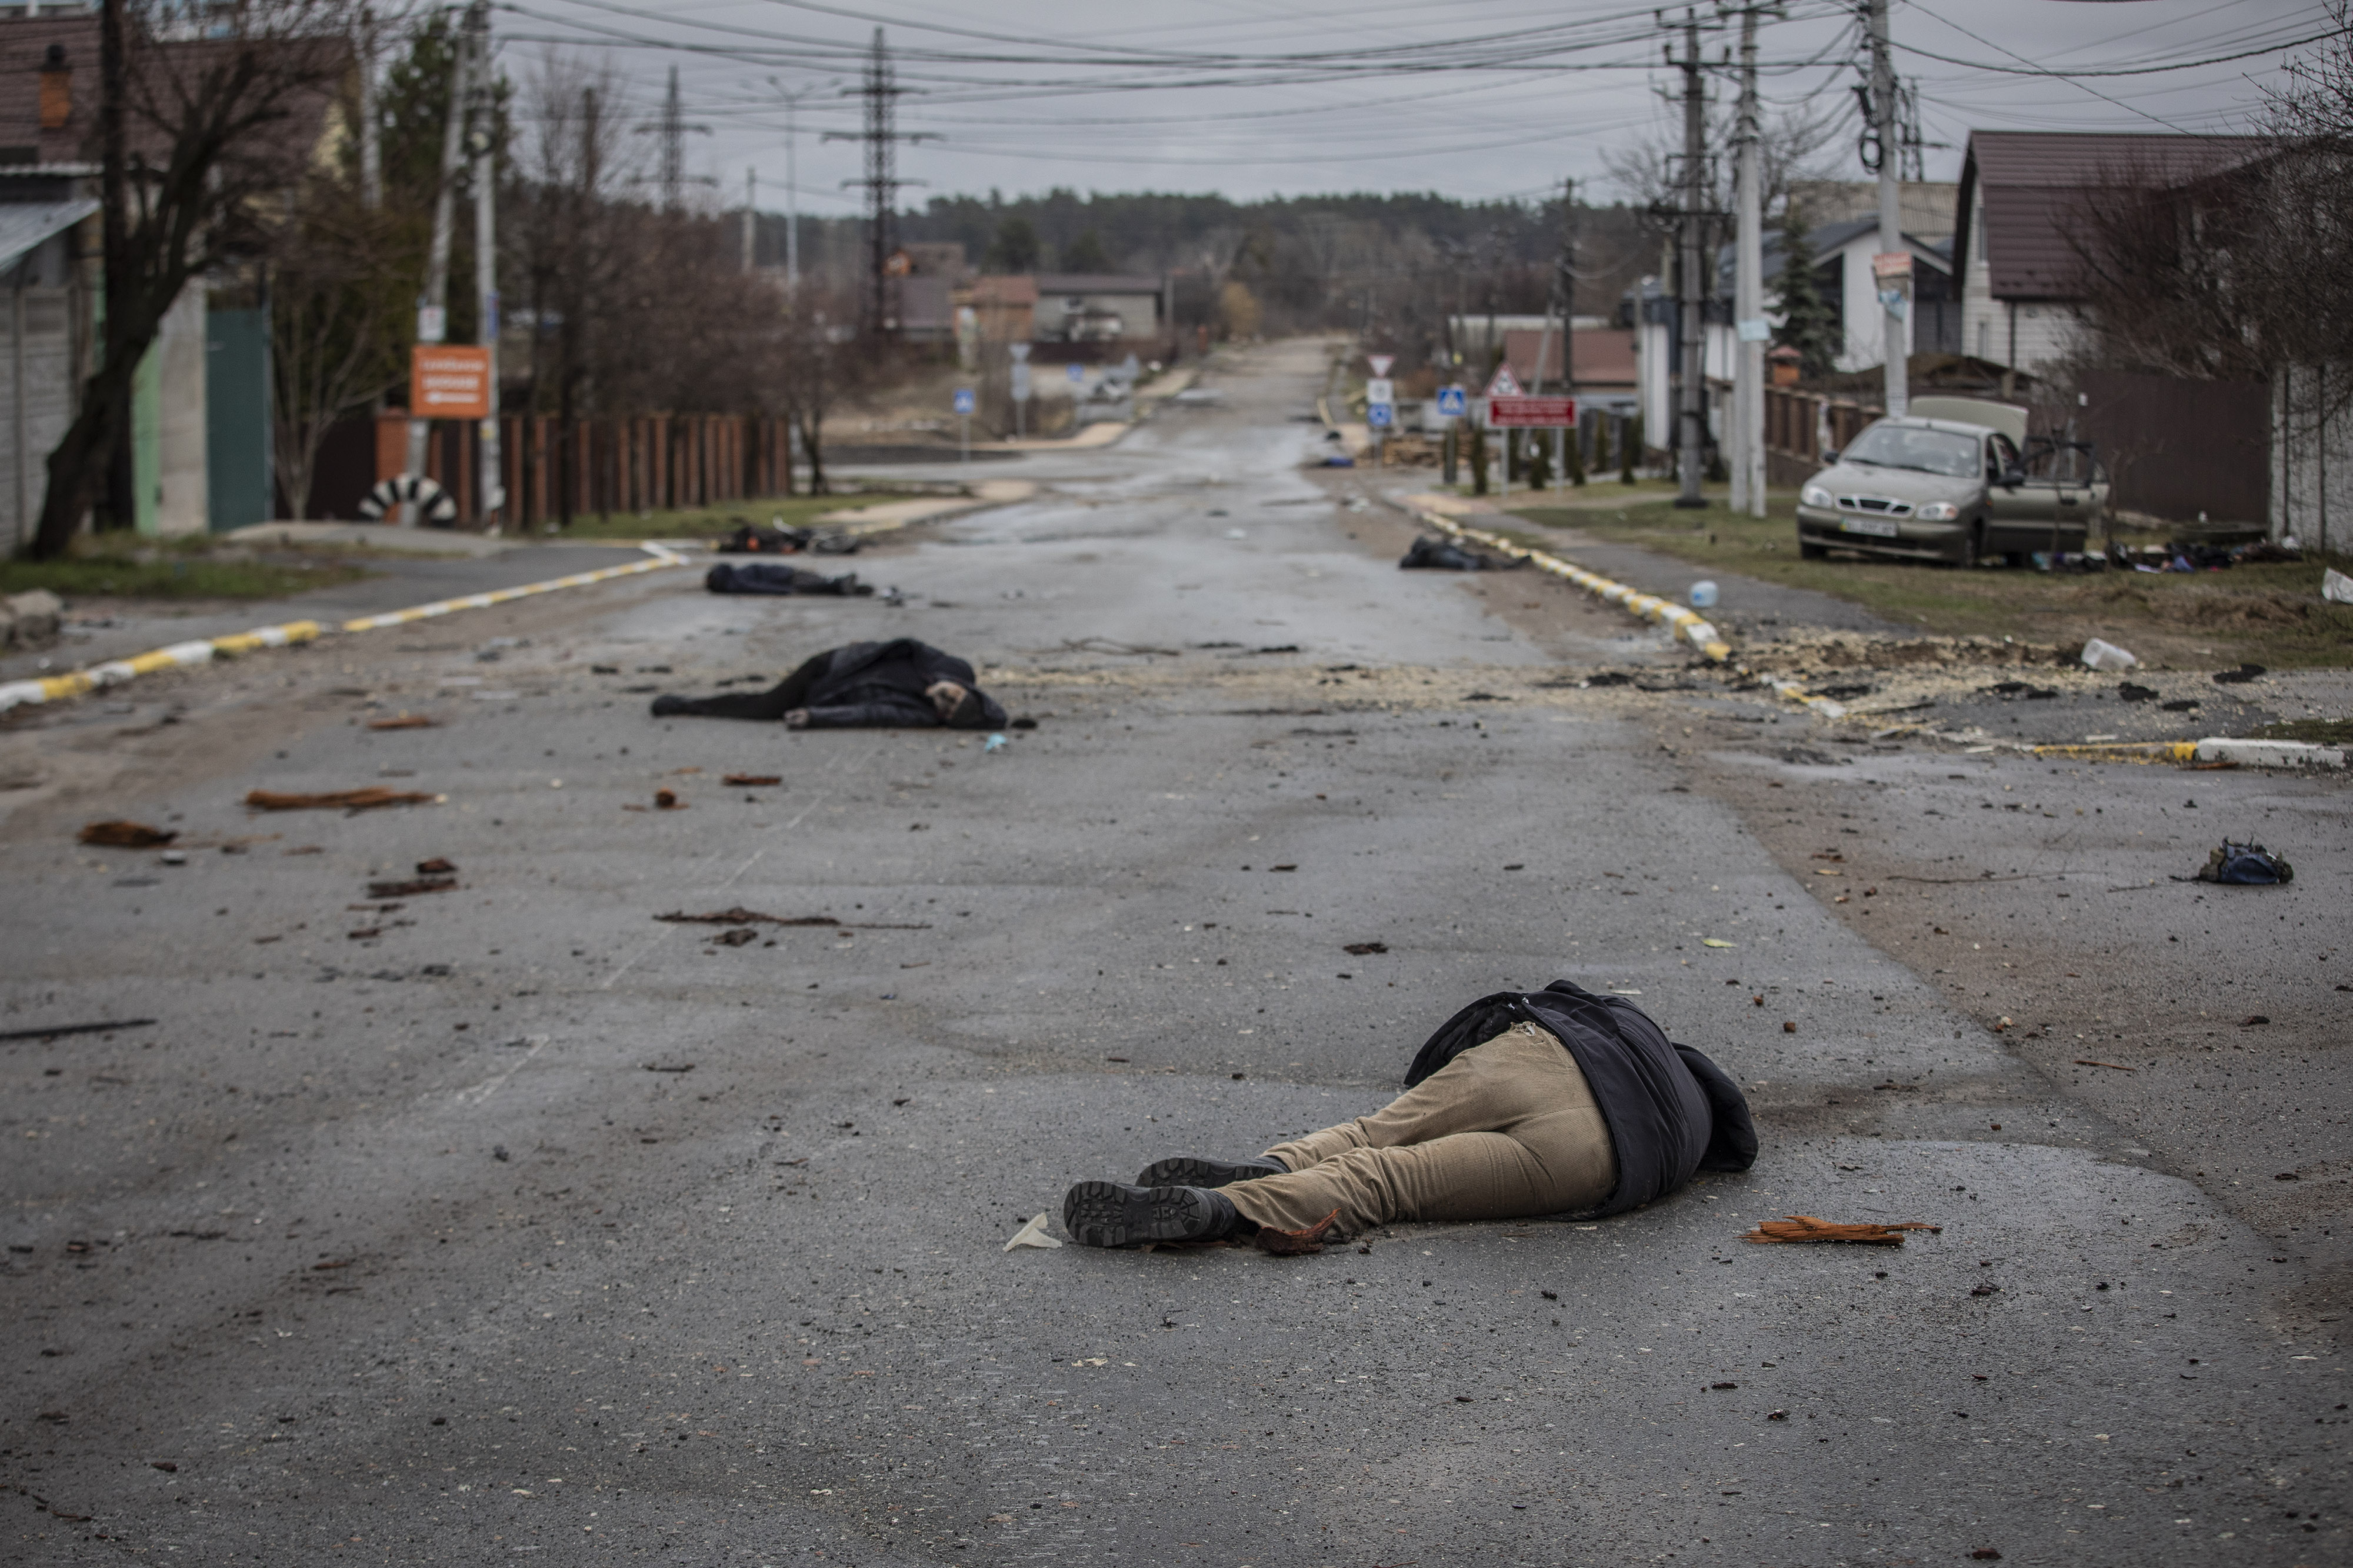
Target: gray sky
(1474,99)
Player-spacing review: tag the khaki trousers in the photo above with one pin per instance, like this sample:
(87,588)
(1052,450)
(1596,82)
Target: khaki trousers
(1507,1129)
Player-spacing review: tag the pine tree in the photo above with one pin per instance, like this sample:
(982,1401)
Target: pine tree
(1808,323)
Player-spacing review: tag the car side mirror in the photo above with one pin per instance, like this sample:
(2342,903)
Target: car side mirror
(1830,455)
(2012,477)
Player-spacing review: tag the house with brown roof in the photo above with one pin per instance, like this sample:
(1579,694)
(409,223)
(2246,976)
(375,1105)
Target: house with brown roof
(2024,201)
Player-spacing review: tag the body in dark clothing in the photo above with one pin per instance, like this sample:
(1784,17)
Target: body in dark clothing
(865,685)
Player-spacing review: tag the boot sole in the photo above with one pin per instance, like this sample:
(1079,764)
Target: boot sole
(1193,1171)
(1113,1214)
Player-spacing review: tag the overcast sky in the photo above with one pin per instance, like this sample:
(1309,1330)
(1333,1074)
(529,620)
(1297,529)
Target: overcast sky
(1476,99)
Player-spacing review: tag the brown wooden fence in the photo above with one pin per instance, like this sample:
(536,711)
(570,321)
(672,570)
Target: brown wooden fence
(1798,427)
(658,463)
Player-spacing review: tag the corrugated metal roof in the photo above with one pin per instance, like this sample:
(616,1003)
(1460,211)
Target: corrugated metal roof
(25,225)
(2034,183)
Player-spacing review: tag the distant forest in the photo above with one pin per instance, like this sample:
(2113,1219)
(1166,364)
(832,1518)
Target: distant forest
(1390,266)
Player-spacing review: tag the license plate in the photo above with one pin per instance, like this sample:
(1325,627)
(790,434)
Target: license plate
(1876,527)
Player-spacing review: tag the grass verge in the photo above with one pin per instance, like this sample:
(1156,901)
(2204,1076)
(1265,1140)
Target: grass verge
(121,567)
(2269,615)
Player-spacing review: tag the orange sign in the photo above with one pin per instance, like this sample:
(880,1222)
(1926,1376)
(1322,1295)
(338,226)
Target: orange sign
(448,382)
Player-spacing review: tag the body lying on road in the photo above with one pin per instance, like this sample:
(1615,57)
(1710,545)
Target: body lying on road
(1549,1101)
(864,685)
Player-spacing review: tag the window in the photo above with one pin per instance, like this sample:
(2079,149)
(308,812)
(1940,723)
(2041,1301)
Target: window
(1890,445)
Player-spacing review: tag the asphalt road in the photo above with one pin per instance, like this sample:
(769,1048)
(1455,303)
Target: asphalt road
(511,1221)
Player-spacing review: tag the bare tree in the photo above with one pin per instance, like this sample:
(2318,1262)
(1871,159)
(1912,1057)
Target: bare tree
(197,133)
(337,297)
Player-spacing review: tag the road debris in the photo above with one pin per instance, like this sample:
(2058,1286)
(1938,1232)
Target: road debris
(412,888)
(753,781)
(124,835)
(1363,949)
(2089,1062)
(1806,1228)
(2336,587)
(739,916)
(404,721)
(736,938)
(2098,655)
(97,1029)
(1295,1243)
(2244,864)
(1033,1233)
(336,800)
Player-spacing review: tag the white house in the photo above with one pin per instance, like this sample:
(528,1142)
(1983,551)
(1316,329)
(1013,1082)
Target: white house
(2024,199)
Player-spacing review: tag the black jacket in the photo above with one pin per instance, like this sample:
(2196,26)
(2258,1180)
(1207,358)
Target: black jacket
(871,684)
(1671,1110)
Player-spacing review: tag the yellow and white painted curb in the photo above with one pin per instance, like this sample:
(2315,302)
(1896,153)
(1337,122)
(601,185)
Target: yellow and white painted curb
(663,558)
(1688,625)
(190,655)
(179,656)
(2245,754)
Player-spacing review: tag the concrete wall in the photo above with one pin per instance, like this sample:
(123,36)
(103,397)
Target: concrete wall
(2312,457)
(183,501)
(37,384)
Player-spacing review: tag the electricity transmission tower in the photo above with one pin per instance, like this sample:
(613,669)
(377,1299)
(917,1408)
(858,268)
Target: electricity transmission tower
(672,129)
(882,91)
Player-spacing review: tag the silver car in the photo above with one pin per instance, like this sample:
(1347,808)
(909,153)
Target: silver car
(1947,482)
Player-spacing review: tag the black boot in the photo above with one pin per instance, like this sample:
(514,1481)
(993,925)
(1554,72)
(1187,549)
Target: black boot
(1197,1170)
(1112,1214)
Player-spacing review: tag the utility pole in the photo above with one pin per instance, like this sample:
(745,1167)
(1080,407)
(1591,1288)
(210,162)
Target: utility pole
(881,92)
(751,213)
(371,126)
(1691,316)
(1895,326)
(1559,304)
(492,469)
(1748,294)
(792,179)
(433,310)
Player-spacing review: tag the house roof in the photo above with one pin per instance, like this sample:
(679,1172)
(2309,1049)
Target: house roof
(25,224)
(1826,242)
(2035,184)
(1097,283)
(1599,356)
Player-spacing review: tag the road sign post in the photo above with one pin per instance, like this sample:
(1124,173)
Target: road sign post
(1020,388)
(964,402)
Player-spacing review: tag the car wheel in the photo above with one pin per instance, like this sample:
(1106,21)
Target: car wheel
(1809,551)
(1972,548)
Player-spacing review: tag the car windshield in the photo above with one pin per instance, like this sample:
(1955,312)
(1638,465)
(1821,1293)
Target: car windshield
(1909,447)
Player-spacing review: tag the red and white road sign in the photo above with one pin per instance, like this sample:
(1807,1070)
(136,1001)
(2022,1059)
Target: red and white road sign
(1504,384)
(1892,264)
(1532,413)
(1380,363)
(446,383)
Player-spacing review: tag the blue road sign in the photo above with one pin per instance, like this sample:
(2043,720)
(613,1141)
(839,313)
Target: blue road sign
(964,400)
(1380,415)
(1451,402)
(1075,371)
